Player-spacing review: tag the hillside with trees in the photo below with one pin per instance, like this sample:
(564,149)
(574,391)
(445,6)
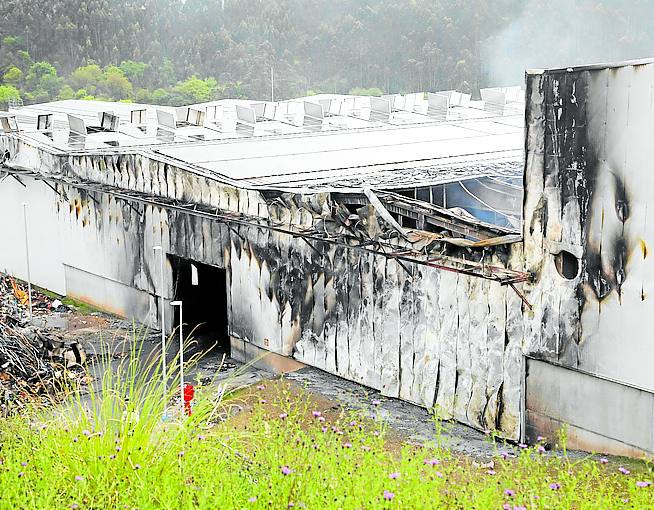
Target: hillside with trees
(175,52)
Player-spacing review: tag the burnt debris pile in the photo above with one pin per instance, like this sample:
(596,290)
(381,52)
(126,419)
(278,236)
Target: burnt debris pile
(35,362)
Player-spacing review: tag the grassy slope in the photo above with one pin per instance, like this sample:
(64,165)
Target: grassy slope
(116,458)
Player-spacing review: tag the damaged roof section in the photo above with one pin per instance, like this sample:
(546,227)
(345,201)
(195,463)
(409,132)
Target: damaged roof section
(408,176)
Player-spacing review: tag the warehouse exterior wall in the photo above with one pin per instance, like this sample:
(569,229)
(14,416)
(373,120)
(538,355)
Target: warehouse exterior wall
(424,335)
(427,336)
(45,242)
(588,183)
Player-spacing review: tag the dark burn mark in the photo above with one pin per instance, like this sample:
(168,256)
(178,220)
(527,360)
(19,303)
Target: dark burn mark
(572,165)
(621,201)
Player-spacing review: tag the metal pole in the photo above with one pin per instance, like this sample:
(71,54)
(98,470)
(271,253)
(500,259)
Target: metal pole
(272,84)
(163,324)
(27,260)
(181,355)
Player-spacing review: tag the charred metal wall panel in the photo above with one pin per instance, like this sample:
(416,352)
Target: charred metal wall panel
(588,200)
(412,331)
(588,191)
(420,334)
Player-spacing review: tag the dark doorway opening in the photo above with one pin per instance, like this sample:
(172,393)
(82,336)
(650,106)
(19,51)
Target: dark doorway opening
(203,291)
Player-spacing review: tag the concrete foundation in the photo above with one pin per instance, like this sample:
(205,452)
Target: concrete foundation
(599,415)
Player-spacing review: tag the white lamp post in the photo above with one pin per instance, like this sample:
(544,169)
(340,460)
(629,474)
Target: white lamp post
(181,355)
(163,322)
(27,259)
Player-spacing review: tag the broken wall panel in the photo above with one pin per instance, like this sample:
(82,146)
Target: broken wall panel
(456,351)
(403,328)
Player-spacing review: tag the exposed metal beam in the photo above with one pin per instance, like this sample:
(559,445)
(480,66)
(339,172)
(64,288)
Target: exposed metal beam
(399,253)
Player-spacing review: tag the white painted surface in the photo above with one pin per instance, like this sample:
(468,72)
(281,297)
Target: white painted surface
(44,233)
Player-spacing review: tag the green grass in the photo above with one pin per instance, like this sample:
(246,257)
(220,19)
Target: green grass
(115,452)
(79,306)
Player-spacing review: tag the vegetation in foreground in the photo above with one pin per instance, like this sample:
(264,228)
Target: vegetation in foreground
(283,449)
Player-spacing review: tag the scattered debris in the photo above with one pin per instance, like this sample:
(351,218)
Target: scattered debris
(34,362)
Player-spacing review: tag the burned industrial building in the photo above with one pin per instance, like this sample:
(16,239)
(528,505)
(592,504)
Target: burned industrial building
(382,239)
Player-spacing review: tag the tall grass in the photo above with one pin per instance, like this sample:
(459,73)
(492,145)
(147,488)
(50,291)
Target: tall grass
(114,451)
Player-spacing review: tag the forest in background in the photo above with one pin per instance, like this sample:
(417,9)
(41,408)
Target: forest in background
(180,52)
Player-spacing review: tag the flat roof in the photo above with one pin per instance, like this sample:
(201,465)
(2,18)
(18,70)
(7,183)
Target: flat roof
(316,143)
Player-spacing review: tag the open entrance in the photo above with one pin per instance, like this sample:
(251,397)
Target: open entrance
(203,291)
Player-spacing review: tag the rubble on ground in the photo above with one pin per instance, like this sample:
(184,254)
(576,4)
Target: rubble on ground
(34,362)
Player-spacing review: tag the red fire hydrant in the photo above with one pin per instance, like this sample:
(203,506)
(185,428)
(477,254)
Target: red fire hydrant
(189,392)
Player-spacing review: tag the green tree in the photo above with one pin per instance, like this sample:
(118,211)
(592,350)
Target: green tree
(135,71)
(115,83)
(66,92)
(360,91)
(8,92)
(42,82)
(195,90)
(13,76)
(87,77)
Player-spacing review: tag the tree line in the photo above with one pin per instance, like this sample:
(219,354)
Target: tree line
(175,51)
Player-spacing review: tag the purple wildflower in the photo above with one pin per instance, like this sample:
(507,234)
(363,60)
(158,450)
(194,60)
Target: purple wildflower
(321,418)
(86,433)
(21,474)
(388,495)
(439,474)
(262,401)
(540,439)
(253,499)
(490,472)
(522,445)
(624,471)
(604,460)
(506,506)
(24,463)
(75,440)
(79,478)
(520,507)
(353,424)
(555,486)
(432,462)
(74,506)
(286,470)
(324,429)
(316,414)
(181,454)
(112,457)
(261,387)
(393,476)
(201,438)
(365,448)
(118,448)
(347,445)
(540,449)
(376,402)
(283,415)
(643,484)
(137,466)
(509,492)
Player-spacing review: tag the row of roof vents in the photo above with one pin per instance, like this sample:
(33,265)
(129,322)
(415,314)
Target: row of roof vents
(307,114)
